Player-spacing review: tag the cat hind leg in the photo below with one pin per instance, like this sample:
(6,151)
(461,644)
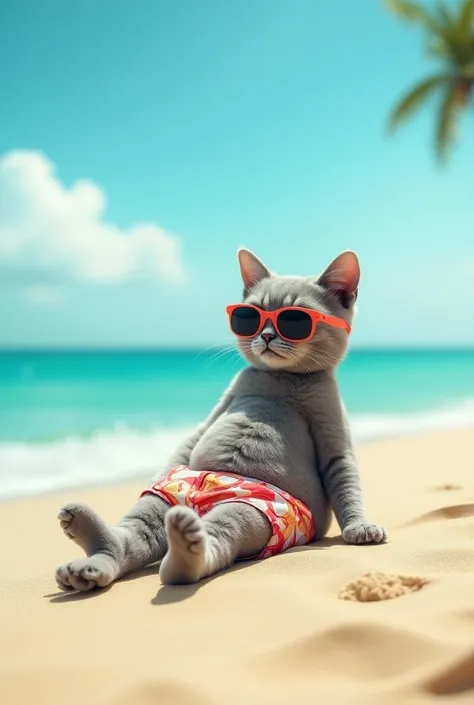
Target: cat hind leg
(200,547)
(138,540)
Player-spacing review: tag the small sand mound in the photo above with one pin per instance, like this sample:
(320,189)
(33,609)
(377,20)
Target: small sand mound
(372,587)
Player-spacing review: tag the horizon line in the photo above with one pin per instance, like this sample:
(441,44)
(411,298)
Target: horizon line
(194,347)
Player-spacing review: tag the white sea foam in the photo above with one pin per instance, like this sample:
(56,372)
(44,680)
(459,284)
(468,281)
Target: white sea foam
(120,454)
(367,427)
(108,456)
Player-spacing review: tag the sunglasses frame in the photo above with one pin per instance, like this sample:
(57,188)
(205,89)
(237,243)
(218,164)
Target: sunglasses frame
(272,316)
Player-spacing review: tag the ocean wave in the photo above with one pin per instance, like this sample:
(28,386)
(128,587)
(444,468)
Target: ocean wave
(123,453)
(368,427)
(108,456)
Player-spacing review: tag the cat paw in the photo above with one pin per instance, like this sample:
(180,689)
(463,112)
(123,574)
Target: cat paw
(86,573)
(187,544)
(71,520)
(185,530)
(84,526)
(363,533)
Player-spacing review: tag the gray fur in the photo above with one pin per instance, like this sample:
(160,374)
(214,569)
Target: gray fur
(281,420)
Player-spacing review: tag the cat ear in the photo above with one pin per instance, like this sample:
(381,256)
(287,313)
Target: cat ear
(342,277)
(251,268)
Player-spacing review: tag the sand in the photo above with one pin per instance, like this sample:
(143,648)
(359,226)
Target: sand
(302,627)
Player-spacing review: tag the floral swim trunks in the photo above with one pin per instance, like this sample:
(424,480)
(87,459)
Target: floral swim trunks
(291,521)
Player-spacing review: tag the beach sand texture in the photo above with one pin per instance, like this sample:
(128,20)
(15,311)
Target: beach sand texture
(286,630)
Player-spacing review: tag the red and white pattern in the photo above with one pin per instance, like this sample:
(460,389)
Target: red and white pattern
(291,521)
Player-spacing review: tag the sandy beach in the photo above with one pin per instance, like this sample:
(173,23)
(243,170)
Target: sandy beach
(274,632)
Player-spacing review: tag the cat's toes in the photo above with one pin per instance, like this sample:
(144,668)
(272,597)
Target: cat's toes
(84,526)
(78,521)
(86,573)
(185,530)
(185,560)
(363,533)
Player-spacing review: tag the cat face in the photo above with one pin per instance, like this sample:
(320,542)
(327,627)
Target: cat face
(334,292)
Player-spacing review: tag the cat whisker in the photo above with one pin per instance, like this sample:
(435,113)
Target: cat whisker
(320,360)
(219,346)
(219,354)
(229,350)
(326,358)
(298,360)
(236,360)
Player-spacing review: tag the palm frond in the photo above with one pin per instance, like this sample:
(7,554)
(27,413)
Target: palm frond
(458,35)
(459,49)
(447,121)
(414,12)
(466,17)
(450,34)
(413,100)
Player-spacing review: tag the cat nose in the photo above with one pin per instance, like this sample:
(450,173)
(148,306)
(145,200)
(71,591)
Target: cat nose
(268,337)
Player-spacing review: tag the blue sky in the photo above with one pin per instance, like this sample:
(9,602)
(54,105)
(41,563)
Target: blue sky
(194,128)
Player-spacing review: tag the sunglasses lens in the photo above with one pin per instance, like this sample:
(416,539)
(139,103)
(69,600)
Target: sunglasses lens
(294,325)
(245,321)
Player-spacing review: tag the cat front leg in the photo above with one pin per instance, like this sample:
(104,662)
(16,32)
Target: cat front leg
(138,540)
(338,466)
(342,482)
(200,547)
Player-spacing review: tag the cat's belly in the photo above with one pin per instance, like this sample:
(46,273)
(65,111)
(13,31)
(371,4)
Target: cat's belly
(266,440)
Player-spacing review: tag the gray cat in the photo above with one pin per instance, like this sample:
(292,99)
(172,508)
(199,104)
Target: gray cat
(281,421)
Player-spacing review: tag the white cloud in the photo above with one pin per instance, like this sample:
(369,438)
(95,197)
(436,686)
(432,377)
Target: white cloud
(48,227)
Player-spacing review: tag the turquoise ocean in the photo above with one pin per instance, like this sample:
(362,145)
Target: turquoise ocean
(71,418)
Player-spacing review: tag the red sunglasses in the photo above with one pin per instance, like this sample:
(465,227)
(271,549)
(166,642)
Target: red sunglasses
(292,323)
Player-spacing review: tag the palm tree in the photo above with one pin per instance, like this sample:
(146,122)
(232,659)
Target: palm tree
(450,34)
